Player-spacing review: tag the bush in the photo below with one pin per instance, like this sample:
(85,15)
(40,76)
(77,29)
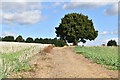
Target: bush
(112,43)
(59,43)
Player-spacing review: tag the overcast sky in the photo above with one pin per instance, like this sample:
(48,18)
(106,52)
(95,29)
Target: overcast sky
(39,19)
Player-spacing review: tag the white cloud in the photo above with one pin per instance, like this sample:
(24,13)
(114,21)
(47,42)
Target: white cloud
(109,33)
(20,6)
(92,4)
(21,13)
(26,17)
(114,32)
(35,0)
(104,33)
(94,0)
(59,0)
(8,34)
(111,11)
(22,0)
(84,5)
(56,4)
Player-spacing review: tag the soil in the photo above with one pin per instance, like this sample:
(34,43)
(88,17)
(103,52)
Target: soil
(64,63)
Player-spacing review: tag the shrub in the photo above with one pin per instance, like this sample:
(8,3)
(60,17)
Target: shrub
(112,43)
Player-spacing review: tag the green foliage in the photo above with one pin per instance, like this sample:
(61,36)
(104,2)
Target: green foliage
(19,39)
(59,43)
(54,41)
(76,28)
(0,39)
(29,40)
(102,55)
(112,43)
(37,40)
(8,38)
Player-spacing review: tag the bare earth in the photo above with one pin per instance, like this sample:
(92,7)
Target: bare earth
(63,63)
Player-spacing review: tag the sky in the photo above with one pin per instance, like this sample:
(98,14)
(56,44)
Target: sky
(39,18)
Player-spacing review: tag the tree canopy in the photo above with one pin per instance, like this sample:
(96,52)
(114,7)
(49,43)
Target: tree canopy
(8,38)
(29,40)
(112,43)
(19,39)
(76,28)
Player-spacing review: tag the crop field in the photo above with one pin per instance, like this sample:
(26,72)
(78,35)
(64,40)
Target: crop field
(107,56)
(14,56)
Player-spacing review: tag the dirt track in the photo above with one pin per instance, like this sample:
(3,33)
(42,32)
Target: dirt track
(63,63)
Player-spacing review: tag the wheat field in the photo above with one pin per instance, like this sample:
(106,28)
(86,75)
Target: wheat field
(14,56)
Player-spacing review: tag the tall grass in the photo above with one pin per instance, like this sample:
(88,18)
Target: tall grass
(102,55)
(14,57)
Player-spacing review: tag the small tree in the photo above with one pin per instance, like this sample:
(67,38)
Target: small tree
(8,38)
(29,40)
(19,39)
(112,43)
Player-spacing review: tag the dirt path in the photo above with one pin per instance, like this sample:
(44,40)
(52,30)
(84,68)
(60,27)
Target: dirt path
(63,63)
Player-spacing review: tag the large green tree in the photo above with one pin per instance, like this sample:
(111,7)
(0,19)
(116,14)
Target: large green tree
(76,28)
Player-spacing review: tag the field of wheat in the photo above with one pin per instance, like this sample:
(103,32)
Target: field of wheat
(14,56)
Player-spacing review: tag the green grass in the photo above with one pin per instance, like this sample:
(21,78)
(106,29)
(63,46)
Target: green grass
(107,56)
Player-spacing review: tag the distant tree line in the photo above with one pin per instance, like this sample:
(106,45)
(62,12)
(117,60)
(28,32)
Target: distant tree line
(55,41)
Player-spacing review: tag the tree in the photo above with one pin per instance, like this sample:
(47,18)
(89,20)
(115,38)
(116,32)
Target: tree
(0,39)
(29,40)
(76,28)
(8,38)
(19,39)
(36,40)
(112,43)
(40,40)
